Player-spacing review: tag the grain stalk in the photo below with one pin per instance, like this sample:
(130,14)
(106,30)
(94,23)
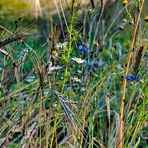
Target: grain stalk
(66,70)
(126,72)
(11,39)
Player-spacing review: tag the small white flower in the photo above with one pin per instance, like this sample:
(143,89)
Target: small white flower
(119,67)
(61,45)
(78,60)
(58,46)
(64,44)
(76,79)
(51,69)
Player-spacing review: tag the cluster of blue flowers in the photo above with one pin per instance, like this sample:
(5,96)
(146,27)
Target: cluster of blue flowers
(131,78)
(83,48)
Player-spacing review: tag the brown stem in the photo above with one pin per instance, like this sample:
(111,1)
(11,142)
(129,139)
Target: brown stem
(126,72)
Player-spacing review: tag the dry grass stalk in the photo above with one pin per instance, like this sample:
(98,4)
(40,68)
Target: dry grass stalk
(126,73)
(23,56)
(4,52)
(12,39)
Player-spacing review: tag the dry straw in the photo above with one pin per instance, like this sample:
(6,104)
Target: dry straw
(126,73)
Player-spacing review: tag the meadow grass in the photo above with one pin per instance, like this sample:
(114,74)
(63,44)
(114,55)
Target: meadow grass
(63,78)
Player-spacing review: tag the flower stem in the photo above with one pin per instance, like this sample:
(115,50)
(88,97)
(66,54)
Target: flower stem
(65,74)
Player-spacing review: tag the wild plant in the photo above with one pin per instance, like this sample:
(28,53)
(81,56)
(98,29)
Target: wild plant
(78,81)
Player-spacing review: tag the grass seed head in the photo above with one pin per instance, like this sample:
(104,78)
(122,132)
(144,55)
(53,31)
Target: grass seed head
(138,60)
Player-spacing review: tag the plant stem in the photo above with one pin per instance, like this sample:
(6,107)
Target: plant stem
(65,74)
(126,72)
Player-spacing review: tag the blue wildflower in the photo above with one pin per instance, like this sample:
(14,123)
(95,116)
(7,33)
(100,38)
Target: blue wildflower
(83,48)
(100,103)
(128,78)
(131,78)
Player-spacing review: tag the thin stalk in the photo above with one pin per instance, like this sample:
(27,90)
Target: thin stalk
(39,124)
(126,72)
(65,74)
(3,72)
(46,127)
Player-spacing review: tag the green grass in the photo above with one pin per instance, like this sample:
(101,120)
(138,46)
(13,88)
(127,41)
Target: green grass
(43,109)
